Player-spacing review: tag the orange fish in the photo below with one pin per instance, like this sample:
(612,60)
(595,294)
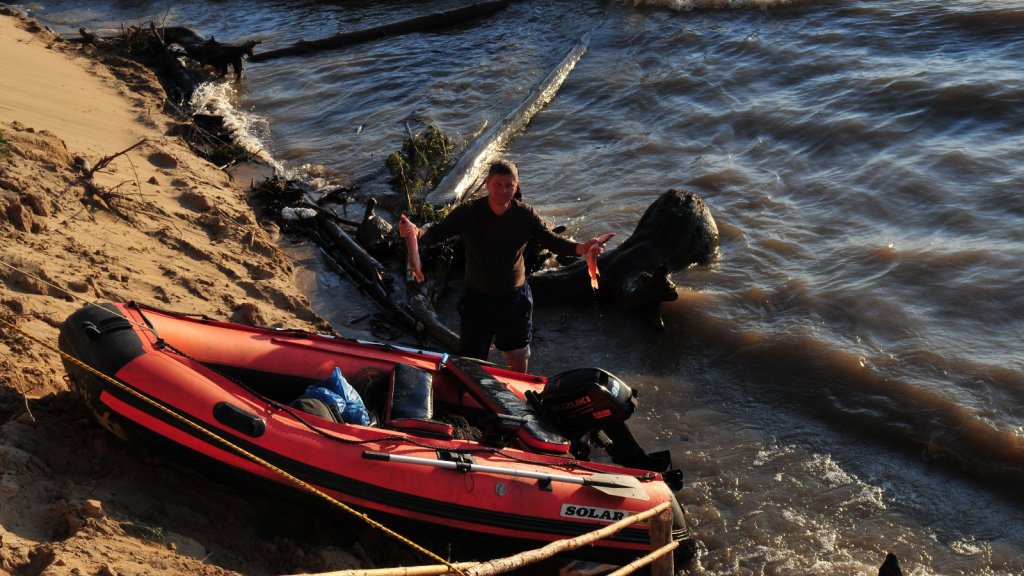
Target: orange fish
(592,258)
(412,245)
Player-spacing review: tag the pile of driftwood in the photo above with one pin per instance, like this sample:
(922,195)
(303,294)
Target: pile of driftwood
(367,252)
(218,55)
(180,58)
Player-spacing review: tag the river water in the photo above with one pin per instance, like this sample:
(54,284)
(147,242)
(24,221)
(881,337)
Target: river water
(847,378)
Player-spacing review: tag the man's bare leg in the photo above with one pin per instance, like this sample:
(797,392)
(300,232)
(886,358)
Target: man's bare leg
(517,360)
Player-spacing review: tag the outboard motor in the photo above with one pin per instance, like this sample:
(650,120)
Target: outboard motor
(580,400)
(590,407)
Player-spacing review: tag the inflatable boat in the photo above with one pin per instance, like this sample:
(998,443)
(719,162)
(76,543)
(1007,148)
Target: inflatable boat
(434,440)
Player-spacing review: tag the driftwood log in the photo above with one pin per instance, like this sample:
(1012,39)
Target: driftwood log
(675,232)
(153,46)
(209,52)
(419,24)
(348,258)
(467,175)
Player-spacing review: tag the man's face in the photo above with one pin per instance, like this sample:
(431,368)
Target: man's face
(501,188)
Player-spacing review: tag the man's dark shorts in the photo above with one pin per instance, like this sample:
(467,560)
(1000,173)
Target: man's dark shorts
(508,319)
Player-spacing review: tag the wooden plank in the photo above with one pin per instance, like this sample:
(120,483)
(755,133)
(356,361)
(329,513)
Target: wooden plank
(400,571)
(662,512)
(663,552)
(502,565)
(660,533)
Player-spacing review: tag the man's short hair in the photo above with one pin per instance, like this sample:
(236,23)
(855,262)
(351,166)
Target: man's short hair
(503,166)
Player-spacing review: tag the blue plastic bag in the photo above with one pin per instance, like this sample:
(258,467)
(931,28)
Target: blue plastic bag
(341,398)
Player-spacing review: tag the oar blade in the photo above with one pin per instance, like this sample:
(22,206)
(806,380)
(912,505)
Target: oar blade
(620,485)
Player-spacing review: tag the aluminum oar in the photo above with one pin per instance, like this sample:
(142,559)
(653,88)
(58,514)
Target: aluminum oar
(612,484)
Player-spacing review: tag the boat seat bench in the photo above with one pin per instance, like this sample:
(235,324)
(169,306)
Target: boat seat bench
(513,415)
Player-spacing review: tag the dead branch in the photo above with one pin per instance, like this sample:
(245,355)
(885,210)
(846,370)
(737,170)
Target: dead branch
(108,159)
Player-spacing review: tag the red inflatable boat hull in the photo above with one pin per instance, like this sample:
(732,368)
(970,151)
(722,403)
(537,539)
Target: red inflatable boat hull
(216,389)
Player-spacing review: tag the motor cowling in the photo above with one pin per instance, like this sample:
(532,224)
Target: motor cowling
(583,400)
(590,407)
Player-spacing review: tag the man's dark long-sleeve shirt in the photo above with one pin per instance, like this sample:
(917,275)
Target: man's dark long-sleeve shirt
(495,244)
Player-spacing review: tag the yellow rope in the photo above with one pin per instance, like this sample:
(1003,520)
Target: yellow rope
(70,295)
(297,481)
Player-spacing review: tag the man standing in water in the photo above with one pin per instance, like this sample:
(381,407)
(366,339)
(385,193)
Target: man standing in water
(497,304)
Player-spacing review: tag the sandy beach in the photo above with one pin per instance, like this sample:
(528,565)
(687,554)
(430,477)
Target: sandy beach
(170,230)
